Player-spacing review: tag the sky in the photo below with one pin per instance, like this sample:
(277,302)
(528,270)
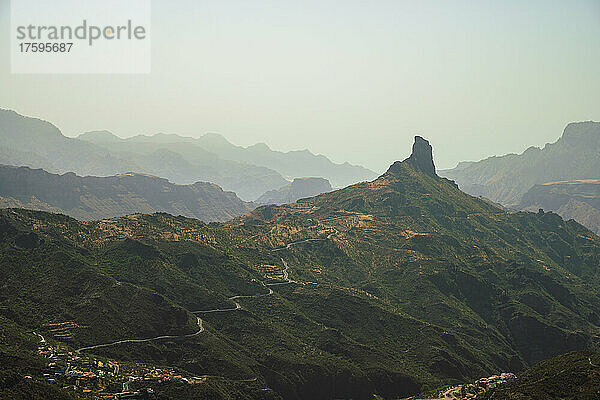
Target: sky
(353,80)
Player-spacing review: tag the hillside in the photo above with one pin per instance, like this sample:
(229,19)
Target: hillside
(576,155)
(91,197)
(79,295)
(570,376)
(298,189)
(390,287)
(577,199)
(277,341)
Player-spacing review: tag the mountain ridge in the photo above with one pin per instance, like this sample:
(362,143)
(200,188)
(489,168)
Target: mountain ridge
(292,163)
(92,197)
(504,179)
(432,217)
(28,141)
(299,188)
(576,199)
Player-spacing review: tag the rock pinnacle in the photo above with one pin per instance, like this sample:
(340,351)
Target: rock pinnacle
(422,157)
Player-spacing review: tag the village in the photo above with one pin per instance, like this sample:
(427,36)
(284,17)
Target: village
(98,378)
(470,391)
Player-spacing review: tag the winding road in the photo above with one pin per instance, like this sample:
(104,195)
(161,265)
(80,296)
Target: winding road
(237,305)
(200,330)
(286,281)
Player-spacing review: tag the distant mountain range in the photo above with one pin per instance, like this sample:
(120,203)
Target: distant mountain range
(290,164)
(249,172)
(504,179)
(87,198)
(578,199)
(298,189)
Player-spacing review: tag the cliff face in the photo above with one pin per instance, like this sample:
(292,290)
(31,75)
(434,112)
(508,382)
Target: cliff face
(300,188)
(576,155)
(577,199)
(422,156)
(92,197)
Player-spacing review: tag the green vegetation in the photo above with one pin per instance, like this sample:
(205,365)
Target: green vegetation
(406,284)
(18,361)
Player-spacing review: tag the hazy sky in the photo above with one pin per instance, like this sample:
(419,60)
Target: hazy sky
(354,80)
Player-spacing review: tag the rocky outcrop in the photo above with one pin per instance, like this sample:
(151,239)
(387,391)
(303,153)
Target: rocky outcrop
(509,282)
(422,156)
(421,159)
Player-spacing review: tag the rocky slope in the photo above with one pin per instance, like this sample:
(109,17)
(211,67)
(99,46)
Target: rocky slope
(92,197)
(298,189)
(577,199)
(576,155)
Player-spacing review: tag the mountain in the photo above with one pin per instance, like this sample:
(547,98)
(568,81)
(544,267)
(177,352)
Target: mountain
(93,288)
(298,189)
(290,164)
(35,143)
(570,376)
(577,199)
(576,155)
(523,282)
(249,172)
(91,197)
(39,144)
(160,269)
(386,288)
